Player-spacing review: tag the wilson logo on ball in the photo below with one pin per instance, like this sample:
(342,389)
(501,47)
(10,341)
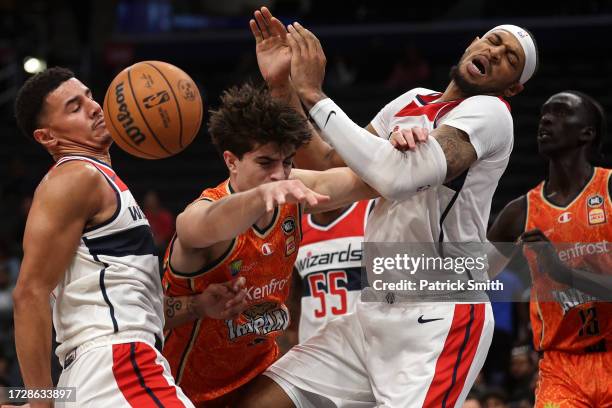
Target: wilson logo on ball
(156,99)
(125,118)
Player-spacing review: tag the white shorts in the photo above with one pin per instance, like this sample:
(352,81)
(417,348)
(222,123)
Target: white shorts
(132,374)
(390,355)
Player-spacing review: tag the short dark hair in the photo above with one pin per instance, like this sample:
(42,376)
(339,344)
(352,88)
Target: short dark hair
(31,97)
(597,119)
(249,116)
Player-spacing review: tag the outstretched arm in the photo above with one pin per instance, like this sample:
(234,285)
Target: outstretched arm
(204,223)
(341,185)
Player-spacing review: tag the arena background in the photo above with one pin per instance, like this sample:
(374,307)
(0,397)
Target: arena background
(376,50)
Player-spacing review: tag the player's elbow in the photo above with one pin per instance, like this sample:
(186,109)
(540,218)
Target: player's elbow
(391,189)
(25,294)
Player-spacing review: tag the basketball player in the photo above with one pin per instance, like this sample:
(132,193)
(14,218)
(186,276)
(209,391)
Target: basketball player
(328,265)
(572,205)
(389,354)
(247,227)
(88,245)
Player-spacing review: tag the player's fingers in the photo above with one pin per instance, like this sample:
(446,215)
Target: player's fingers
(262,24)
(255,31)
(278,28)
(279,198)
(236,299)
(217,289)
(409,138)
(293,44)
(420,134)
(397,139)
(238,284)
(267,17)
(298,38)
(307,37)
(321,197)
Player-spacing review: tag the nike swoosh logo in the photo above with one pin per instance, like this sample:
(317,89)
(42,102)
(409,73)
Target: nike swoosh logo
(329,116)
(421,320)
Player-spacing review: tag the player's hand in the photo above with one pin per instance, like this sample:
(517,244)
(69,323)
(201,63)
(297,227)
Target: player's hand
(289,191)
(222,300)
(547,257)
(272,48)
(407,139)
(307,64)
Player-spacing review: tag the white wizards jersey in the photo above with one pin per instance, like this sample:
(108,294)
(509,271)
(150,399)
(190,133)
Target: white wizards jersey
(329,264)
(113,284)
(457,211)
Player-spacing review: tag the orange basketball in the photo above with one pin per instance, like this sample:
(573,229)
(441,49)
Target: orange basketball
(153,109)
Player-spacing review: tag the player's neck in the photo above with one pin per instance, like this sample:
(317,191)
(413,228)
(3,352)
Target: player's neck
(103,156)
(452,92)
(568,174)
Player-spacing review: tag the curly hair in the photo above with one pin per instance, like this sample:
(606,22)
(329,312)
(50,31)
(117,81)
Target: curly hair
(31,97)
(249,117)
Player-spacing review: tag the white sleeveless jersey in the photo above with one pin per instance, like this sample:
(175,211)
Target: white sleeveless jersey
(113,284)
(457,211)
(329,265)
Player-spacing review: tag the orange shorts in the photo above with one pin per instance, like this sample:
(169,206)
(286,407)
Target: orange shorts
(574,380)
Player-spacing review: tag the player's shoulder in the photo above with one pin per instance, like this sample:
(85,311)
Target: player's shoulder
(72,177)
(487,101)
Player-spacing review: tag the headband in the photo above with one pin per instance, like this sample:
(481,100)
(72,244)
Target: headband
(529,48)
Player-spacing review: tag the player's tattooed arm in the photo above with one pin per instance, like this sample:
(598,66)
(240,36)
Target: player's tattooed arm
(460,153)
(218,301)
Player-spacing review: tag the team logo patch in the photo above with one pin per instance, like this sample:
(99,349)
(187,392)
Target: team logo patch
(565,217)
(235,267)
(267,249)
(259,320)
(597,216)
(595,201)
(288,225)
(290,246)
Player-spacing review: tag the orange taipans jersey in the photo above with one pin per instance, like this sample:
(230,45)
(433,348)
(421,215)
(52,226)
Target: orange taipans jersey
(565,318)
(210,357)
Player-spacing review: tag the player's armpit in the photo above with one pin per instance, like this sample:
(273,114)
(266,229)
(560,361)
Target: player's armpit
(460,153)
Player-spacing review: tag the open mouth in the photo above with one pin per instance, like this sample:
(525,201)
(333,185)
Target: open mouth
(544,135)
(479,65)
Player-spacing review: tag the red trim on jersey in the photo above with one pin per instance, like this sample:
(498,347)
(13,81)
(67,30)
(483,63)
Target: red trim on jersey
(434,110)
(456,358)
(505,103)
(129,380)
(113,176)
(352,224)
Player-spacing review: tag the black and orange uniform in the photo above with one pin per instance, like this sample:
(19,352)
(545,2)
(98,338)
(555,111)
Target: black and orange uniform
(210,358)
(573,329)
